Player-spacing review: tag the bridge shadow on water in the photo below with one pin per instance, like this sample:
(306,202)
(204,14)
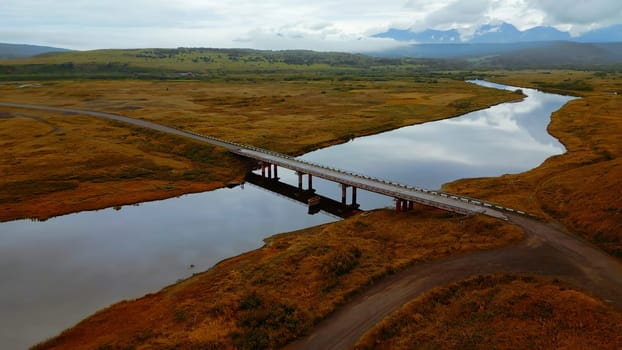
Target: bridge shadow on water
(309,198)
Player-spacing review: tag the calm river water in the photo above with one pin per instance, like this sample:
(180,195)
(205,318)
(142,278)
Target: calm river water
(56,272)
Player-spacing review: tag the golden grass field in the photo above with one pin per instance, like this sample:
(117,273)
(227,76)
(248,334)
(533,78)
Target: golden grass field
(267,297)
(500,312)
(289,117)
(582,188)
(55,164)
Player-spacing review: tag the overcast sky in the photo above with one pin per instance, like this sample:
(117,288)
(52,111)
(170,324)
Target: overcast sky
(342,25)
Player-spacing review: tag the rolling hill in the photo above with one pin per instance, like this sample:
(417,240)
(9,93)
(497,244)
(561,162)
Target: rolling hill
(9,51)
(247,64)
(210,64)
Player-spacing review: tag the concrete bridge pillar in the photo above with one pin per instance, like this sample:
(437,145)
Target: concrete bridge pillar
(344,195)
(276,173)
(300,180)
(263,169)
(269,171)
(402,205)
(310,182)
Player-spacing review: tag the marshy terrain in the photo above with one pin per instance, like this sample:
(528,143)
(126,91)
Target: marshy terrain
(55,163)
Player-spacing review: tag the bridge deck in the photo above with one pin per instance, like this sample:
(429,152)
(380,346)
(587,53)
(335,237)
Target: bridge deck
(431,198)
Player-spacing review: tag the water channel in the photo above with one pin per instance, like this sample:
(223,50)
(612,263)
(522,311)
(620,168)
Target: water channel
(56,272)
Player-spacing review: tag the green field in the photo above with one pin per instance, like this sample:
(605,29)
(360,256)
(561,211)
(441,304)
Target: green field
(218,65)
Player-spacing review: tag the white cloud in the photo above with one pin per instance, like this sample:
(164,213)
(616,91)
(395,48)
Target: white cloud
(319,24)
(580,15)
(580,11)
(327,38)
(459,12)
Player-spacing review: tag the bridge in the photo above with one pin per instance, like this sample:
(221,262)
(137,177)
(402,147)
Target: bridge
(405,196)
(268,161)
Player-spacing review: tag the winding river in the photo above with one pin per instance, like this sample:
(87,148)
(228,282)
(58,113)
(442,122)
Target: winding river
(56,272)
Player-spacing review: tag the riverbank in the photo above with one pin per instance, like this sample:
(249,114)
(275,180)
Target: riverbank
(268,297)
(579,189)
(58,164)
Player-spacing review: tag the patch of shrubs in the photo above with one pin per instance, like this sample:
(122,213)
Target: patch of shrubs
(266,324)
(340,261)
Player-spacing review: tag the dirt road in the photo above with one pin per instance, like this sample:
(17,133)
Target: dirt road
(120,118)
(545,251)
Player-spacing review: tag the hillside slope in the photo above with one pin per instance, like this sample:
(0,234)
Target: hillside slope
(10,51)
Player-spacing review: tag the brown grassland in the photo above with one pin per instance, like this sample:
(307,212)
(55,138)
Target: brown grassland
(500,312)
(267,297)
(581,189)
(55,164)
(271,295)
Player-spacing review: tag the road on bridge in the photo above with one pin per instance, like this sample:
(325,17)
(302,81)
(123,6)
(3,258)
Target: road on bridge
(422,196)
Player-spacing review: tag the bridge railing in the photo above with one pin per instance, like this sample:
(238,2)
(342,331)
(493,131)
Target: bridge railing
(478,202)
(465,199)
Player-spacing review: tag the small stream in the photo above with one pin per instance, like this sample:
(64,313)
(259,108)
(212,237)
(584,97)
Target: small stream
(55,273)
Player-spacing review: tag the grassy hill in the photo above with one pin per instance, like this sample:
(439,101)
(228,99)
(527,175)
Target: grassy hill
(214,64)
(9,51)
(185,63)
(251,65)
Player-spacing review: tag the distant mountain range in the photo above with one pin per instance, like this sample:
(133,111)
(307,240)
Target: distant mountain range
(491,46)
(543,54)
(503,45)
(503,33)
(22,51)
